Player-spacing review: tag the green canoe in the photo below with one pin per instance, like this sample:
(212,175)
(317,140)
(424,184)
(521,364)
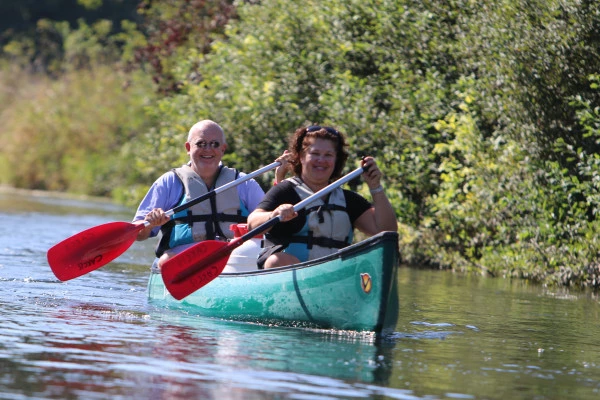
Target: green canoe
(353,289)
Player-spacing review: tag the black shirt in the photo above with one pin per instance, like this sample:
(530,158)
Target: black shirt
(284,193)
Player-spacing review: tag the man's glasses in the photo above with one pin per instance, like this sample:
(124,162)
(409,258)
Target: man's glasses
(314,128)
(203,144)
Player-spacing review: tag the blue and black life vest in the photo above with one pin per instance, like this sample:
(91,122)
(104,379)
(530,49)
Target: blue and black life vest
(207,220)
(327,228)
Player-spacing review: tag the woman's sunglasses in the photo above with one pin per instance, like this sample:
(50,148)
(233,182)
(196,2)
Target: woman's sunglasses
(314,128)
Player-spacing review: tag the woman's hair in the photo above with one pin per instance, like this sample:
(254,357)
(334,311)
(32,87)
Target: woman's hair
(305,136)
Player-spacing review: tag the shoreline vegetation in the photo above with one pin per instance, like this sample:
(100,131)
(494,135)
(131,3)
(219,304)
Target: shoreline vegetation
(484,118)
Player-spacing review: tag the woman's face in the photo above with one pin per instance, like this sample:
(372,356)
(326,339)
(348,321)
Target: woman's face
(318,161)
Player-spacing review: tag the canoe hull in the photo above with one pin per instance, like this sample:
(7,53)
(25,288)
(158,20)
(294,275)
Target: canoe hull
(354,289)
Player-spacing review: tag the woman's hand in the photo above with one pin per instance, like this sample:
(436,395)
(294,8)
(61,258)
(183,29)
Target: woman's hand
(285,211)
(259,216)
(372,175)
(282,170)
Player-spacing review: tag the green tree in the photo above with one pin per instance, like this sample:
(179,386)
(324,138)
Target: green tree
(459,101)
(177,32)
(483,116)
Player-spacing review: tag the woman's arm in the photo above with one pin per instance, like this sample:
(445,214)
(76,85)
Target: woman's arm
(381,217)
(277,201)
(284,168)
(259,216)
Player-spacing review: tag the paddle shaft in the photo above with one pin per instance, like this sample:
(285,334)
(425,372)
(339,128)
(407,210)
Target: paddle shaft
(218,190)
(299,206)
(226,250)
(223,188)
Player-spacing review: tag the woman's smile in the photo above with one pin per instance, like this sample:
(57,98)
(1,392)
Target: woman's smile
(318,162)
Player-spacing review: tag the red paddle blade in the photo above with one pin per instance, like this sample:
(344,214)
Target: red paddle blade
(193,268)
(91,249)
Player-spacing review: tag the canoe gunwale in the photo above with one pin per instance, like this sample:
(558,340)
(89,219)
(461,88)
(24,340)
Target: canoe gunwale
(346,252)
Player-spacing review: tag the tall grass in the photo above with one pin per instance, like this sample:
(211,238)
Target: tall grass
(69,134)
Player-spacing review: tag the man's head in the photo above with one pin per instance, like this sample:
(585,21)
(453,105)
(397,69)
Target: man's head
(206,145)
(206,126)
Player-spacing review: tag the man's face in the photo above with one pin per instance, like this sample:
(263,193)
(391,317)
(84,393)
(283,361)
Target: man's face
(206,148)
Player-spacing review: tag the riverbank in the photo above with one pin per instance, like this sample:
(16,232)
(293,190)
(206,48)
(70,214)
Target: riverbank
(7,189)
(16,200)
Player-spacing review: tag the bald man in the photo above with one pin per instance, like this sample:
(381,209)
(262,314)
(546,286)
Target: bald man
(209,219)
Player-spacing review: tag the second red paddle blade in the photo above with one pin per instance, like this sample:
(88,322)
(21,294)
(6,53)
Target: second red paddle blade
(193,268)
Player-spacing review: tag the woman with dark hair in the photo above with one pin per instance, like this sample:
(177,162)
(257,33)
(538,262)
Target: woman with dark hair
(317,156)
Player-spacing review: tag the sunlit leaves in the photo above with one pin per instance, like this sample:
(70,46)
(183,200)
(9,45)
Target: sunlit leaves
(483,116)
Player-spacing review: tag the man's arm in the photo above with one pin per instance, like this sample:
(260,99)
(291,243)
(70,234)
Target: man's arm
(250,194)
(164,194)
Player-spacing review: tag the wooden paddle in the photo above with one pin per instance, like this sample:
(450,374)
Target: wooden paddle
(198,265)
(97,246)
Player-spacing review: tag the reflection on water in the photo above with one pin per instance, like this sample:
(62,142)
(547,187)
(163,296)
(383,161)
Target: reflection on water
(275,360)
(501,339)
(261,347)
(96,336)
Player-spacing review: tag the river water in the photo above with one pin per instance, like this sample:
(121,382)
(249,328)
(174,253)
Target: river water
(96,337)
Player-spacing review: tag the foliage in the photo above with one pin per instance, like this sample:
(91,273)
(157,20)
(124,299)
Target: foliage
(542,225)
(483,116)
(285,64)
(465,105)
(176,30)
(33,34)
(68,135)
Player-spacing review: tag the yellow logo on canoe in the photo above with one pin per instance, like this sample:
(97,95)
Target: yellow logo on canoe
(365,283)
